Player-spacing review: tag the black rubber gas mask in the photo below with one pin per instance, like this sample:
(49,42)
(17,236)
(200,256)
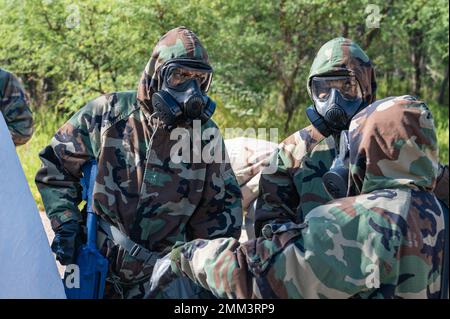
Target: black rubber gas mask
(335,180)
(182,97)
(336,100)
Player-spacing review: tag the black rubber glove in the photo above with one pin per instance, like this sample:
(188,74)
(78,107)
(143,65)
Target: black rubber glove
(68,239)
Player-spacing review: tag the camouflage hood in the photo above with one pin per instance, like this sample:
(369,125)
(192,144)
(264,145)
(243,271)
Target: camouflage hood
(393,145)
(342,56)
(177,43)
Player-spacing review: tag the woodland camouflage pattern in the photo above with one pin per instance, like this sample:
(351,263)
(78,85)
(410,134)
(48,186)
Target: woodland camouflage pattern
(15,109)
(302,158)
(384,242)
(138,188)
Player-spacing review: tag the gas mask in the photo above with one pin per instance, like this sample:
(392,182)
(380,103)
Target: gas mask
(181,96)
(335,180)
(336,100)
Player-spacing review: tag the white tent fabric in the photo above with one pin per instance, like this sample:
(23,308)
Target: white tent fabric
(248,158)
(27,266)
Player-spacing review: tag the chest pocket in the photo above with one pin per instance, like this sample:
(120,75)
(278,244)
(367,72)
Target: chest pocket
(152,175)
(155,178)
(168,183)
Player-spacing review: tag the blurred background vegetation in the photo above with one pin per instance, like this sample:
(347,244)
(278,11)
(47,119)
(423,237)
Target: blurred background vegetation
(68,52)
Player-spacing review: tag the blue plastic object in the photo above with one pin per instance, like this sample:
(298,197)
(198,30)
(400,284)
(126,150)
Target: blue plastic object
(93,266)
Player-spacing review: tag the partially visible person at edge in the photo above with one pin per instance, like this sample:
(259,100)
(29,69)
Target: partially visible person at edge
(341,82)
(15,109)
(152,200)
(384,239)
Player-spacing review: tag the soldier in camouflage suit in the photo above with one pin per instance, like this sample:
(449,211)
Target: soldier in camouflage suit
(304,157)
(14,107)
(139,189)
(383,241)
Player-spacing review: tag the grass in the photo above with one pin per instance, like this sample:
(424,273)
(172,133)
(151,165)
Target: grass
(46,124)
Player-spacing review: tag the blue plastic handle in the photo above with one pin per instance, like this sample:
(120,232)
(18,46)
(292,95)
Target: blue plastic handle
(89,174)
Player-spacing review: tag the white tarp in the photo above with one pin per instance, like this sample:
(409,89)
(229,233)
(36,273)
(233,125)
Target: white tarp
(27,266)
(248,158)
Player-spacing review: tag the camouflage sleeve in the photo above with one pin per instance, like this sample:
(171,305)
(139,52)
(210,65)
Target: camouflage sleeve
(15,109)
(220,212)
(342,250)
(58,179)
(278,196)
(278,267)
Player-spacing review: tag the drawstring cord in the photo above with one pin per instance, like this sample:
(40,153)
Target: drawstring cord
(154,127)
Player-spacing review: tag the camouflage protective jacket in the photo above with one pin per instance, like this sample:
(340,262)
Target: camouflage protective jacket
(15,109)
(384,242)
(138,188)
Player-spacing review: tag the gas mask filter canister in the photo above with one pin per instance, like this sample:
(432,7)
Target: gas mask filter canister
(335,180)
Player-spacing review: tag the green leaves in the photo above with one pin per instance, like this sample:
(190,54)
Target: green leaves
(68,52)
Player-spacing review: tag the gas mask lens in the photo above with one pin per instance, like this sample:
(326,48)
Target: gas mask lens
(348,87)
(178,76)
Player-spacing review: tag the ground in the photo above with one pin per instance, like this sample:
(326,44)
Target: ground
(50,235)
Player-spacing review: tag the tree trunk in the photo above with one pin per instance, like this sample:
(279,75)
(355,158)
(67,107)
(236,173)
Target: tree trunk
(415,42)
(345,29)
(288,120)
(444,86)
(375,32)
